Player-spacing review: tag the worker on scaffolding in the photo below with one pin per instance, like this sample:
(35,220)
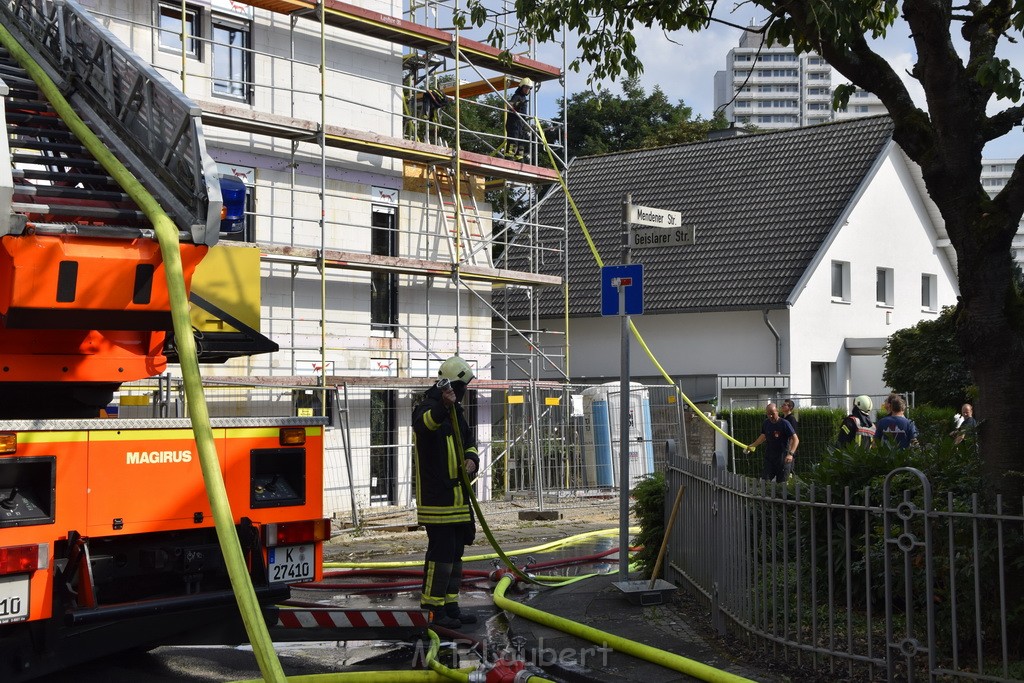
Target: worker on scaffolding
(516,128)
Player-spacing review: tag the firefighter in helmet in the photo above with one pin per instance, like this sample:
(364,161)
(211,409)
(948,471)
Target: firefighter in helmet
(856,427)
(442,501)
(515,122)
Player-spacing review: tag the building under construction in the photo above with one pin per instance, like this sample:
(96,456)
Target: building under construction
(369,250)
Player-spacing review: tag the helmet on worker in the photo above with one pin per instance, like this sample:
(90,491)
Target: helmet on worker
(526,83)
(458,372)
(863,403)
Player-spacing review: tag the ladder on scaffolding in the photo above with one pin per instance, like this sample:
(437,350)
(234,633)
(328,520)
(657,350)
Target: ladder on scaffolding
(459,217)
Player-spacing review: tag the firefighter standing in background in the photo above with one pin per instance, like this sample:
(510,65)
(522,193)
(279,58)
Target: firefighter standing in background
(442,502)
(515,122)
(856,427)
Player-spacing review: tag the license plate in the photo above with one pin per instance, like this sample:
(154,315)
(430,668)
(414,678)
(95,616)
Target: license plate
(14,598)
(291,563)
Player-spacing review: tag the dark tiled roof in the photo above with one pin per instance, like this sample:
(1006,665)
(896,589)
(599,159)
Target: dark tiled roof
(762,204)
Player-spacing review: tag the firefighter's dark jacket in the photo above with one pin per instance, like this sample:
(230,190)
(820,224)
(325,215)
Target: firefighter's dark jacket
(440,497)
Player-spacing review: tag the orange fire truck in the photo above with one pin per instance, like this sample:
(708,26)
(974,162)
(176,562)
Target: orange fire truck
(107,540)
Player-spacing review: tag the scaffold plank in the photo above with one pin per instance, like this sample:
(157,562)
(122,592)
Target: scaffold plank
(495,84)
(334,258)
(396,30)
(242,119)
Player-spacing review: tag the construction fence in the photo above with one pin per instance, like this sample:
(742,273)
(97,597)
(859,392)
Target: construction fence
(542,445)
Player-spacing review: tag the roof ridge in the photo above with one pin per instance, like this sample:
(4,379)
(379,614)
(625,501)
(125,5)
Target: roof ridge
(757,134)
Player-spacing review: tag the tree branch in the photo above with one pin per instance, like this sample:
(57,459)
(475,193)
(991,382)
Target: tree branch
(1003,122)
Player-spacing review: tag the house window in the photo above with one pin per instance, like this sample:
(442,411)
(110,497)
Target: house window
(383,285)
(929,292)
(231,58)
(170,29)
(883,286)
(821,375)
(383,447)
(841,281)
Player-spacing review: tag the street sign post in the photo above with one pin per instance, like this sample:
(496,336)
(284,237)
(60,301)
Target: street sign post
(684,235)
(664,228)
(658,218)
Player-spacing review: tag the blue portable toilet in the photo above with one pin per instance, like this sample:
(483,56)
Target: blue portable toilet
(601,435)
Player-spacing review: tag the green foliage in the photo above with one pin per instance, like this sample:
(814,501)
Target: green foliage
(926,359)
(601,122)
(649,507)
(841,95)
(934,423)
(1002,78)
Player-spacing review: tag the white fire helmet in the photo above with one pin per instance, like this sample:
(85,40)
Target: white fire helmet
(455,370)
(863,402)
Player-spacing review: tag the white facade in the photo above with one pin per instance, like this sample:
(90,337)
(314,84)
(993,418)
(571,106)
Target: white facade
(828,344)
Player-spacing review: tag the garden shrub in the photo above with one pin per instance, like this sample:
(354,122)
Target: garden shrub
(649,507)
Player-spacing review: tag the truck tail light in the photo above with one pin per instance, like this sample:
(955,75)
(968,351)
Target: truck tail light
(8,442)
(292,436)
(295,533)
(23,558)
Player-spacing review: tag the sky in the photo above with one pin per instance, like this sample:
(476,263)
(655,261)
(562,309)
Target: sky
(685,70)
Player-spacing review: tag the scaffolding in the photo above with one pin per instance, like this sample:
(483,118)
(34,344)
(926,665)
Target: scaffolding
(384,219)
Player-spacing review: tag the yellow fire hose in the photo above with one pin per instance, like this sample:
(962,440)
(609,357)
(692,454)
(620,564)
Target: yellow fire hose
(617,643)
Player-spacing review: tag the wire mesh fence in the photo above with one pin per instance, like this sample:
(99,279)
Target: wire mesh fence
(541,445)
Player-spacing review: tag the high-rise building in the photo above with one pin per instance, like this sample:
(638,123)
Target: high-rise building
(994,175)
(771,87)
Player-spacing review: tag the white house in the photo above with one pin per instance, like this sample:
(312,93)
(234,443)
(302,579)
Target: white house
(812,246)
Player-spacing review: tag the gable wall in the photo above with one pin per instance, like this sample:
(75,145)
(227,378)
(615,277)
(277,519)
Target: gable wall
(888,227)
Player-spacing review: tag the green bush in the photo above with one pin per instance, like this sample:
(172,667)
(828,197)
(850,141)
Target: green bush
(649,507)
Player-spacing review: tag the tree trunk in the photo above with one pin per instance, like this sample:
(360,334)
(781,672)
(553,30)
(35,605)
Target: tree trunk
(990,330)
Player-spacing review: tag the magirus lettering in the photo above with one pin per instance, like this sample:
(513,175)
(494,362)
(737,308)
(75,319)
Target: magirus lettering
(157,457)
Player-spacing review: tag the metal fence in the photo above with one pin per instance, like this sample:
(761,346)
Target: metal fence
(565,440)
(893,584)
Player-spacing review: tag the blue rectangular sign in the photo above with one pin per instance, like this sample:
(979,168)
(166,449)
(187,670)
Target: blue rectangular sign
(631,279)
